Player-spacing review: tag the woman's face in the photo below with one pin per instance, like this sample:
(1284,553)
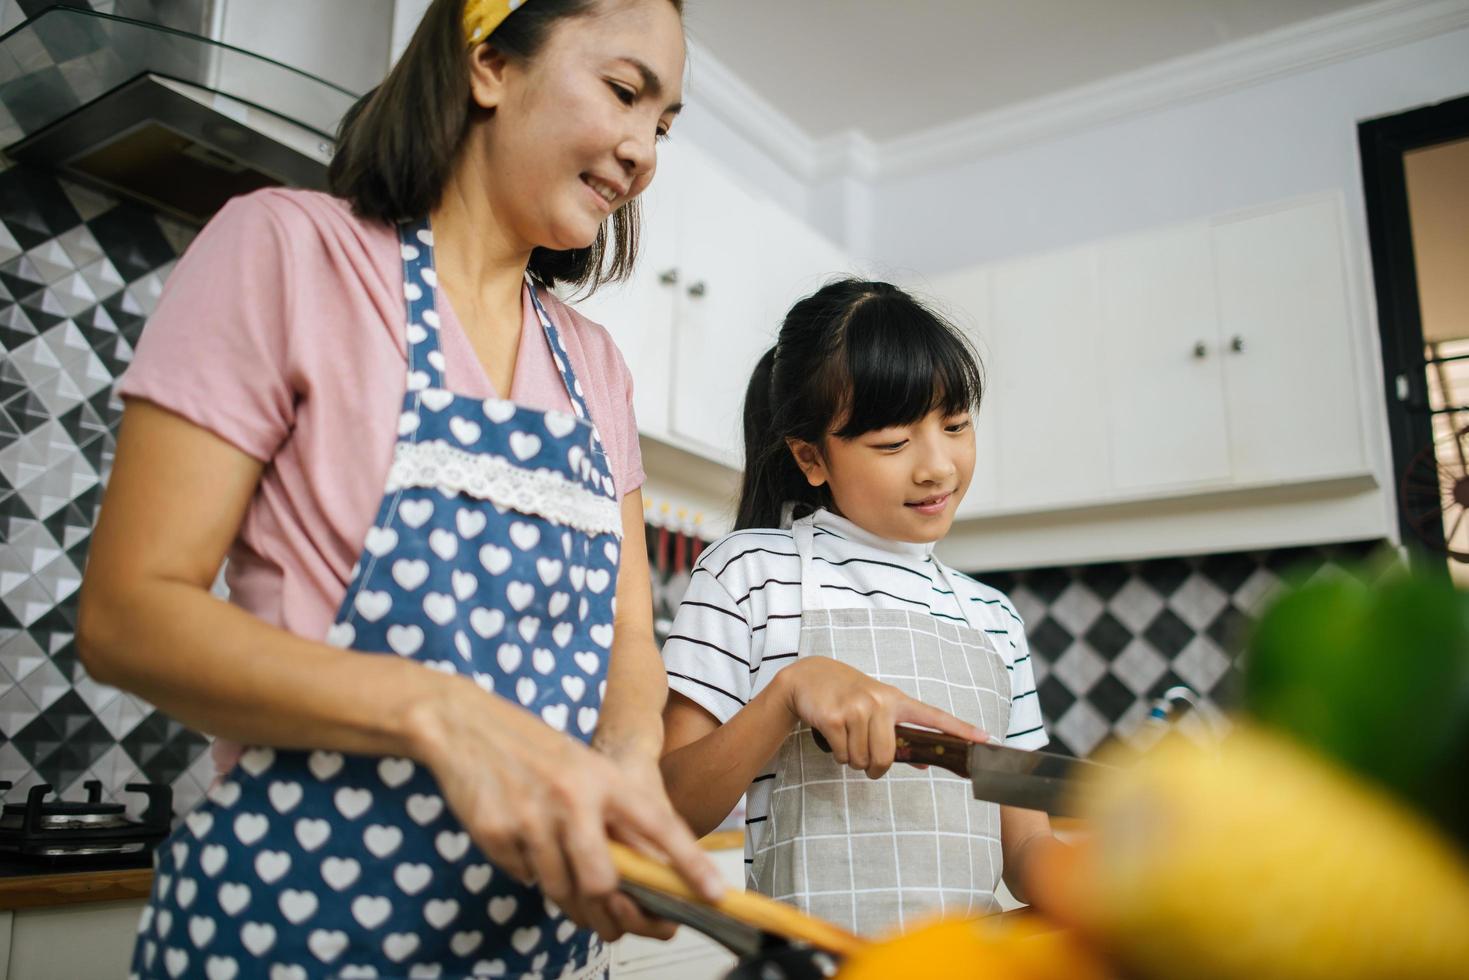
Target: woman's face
(574,130)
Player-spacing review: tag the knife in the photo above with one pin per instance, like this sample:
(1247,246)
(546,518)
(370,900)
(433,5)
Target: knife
(999,773)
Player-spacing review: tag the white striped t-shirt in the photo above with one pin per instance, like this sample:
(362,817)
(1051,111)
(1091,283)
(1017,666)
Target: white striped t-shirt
(740,621)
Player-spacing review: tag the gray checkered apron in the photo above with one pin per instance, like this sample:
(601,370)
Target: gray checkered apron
(878,855)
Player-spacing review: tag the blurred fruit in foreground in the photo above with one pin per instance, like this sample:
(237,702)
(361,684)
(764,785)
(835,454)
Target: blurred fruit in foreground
(1376,677)
(1003,948)
(1262,860)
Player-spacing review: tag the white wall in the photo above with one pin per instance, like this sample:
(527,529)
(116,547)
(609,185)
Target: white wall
(1294,135)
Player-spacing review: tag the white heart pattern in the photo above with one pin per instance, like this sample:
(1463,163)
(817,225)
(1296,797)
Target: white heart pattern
(371,910)
(381,540)
(233,897)
(258,937)
(451,844)
(424,809)
(495,559)
(352,803)
(340,873)
(469,522)
(405,640)
(410,573)
(524,536)
(395,772)
(559,424)
(498,411)
(443,543)
(324,765)
(508,657)
(382,840)
(486,622)
(412,878)
(465,430)
(311,833)
(326,944)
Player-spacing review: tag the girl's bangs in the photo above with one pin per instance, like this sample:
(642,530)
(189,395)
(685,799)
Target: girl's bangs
(902,362)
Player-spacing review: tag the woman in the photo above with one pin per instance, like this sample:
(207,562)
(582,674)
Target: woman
(407,447)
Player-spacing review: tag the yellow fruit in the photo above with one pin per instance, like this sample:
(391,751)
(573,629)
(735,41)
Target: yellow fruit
(982,949)
(1260,861)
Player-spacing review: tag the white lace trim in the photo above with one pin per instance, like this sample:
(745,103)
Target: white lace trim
(440,466)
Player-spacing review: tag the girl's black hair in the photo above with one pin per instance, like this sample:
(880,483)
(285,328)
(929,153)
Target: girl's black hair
(397,145)
(853,357)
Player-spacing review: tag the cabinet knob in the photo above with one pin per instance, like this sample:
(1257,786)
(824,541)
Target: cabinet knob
(698,289)
(668,277)
(1237,344)
(1201,350)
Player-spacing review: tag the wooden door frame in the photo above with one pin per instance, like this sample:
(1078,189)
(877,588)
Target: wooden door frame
(1383,141)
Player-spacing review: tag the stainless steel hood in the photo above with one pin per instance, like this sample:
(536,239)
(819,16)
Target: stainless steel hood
(168,111)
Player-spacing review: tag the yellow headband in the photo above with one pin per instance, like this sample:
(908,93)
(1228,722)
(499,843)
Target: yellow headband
(481,17)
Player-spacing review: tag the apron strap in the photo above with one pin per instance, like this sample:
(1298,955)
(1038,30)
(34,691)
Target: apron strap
(804,532)
(425,360)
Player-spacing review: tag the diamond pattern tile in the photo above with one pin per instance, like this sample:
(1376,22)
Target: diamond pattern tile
(79,274)
(1107,639)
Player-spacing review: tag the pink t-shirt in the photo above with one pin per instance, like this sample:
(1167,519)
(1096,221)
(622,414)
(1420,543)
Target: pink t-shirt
(282,331)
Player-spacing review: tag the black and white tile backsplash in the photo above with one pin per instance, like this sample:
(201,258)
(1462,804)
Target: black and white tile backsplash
(79,273)
(1108,639)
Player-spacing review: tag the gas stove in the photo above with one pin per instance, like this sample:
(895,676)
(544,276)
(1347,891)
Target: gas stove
(55,836)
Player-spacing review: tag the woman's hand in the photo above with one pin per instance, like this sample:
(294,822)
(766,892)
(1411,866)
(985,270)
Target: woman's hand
(857,714)
(543,806)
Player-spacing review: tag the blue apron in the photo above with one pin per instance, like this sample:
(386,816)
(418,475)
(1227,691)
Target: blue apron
(494,555)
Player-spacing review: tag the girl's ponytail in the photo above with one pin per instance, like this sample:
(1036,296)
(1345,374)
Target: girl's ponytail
(771,478)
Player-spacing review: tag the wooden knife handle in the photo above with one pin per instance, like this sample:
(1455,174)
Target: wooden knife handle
(919,747)
(751,908)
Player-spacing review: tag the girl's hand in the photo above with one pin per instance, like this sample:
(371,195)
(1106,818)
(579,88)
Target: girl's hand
(857,714)
(542,806)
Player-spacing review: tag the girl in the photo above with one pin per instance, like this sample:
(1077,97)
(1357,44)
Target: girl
(859,418)
(423,469)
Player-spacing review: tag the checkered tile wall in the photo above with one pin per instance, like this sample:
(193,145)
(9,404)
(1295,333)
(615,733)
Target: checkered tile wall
(79,272)
(1107,639)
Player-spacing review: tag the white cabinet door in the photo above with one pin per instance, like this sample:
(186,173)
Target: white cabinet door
(1053,440)
(1292,392)
(1161,360)
(721,326)
(964,297)
(639,312)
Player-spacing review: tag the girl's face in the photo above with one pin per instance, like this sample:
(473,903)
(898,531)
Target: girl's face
(574,129)
(902,483)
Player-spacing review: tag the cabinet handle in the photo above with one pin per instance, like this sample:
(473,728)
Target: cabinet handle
(698,289)
(1201,350)
(668,277)
(1237,344)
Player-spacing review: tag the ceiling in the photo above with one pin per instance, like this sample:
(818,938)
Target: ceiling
(888,69)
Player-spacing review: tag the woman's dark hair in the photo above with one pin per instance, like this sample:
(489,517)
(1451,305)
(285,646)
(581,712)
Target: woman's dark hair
(852,357)
(396,145)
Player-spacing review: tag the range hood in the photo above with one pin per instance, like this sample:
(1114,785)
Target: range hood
(167,111)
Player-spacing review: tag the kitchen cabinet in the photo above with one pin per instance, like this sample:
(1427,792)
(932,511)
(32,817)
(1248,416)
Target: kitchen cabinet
(1207,357)
(1162,359)
(64,942)
(1053,438)
(718,268)
(1290,378)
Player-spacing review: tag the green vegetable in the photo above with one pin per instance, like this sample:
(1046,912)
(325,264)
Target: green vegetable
(1377,677)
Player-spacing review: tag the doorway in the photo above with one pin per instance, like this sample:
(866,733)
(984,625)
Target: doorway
(1415,168)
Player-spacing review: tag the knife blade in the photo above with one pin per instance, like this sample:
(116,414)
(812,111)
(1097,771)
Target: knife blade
(1032,780)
